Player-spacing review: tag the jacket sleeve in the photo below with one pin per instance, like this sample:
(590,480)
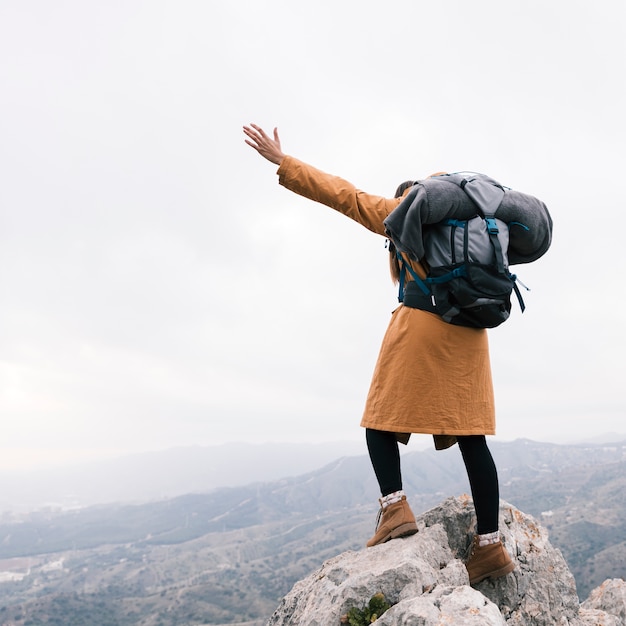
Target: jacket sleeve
(366,209)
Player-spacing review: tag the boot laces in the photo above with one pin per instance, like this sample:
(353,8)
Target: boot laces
(378,516)
(472,548)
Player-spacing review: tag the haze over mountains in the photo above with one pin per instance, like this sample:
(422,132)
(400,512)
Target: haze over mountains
(164,474)
(177,471)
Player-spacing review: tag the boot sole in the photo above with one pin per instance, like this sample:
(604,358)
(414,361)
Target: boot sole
(498,573)
(406,530)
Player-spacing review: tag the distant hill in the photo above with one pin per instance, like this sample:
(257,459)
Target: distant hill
(230,554)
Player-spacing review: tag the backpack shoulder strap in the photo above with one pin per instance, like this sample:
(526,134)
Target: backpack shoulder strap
(493,230)
(404,267)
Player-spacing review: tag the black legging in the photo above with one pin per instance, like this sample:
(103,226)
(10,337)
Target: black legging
(481,471)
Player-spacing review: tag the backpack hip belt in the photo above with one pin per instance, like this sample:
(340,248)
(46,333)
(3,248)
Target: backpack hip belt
(415,298)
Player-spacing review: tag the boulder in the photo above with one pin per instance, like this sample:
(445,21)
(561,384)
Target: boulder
(608,599)
(423,578)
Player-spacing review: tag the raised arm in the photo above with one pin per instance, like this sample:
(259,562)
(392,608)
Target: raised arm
(366,209)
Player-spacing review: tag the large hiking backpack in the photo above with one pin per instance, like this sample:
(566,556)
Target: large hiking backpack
(468,281)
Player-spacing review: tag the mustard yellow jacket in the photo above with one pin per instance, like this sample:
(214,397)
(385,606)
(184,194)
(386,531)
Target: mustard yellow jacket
(430,377)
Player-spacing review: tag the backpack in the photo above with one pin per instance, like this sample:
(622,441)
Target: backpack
(468,281)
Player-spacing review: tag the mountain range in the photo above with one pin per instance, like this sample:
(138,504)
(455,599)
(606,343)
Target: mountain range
(228,555)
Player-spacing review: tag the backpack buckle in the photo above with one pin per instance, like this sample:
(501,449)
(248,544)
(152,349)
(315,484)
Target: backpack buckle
(492,225)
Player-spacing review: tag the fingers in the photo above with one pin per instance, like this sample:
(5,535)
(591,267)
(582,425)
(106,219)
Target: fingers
(256,134)
(250,132)
(266,146)
(259,138)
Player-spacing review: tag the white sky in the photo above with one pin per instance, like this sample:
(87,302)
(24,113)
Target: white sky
(158,288)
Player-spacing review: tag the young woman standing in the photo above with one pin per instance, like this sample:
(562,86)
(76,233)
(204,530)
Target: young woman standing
(430,377)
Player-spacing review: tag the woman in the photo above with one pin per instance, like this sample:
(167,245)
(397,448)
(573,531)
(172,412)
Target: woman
(430,377)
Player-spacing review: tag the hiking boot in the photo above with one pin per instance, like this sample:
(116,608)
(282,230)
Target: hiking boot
(395,520)
(490,561)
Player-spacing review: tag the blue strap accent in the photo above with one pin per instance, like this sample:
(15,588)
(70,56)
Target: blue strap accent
(492,226)
(493,230)
(518,293)
(404,267)
(418,281)
(455,273)
(402,279)
(519,224)
(457,223)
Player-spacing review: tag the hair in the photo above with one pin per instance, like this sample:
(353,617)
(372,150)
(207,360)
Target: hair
(402,187)
(394,265)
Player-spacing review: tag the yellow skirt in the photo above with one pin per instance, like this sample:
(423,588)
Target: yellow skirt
(431,377)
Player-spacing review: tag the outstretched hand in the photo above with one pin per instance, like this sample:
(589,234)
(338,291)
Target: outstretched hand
(266,146)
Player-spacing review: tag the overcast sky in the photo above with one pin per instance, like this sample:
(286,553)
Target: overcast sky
(158,288)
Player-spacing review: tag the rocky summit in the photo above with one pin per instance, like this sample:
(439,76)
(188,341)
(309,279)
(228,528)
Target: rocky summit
(424,582)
